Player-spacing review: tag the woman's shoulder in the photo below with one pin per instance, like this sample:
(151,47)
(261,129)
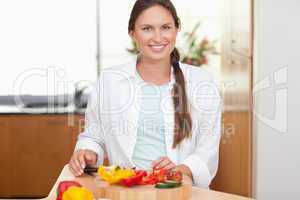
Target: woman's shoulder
(200,82)
(117,72)
(196,74)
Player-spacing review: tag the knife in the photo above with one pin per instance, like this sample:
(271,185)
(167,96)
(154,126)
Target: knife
(89,169)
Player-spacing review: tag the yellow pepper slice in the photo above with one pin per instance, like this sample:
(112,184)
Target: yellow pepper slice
(77,193)
(115,174)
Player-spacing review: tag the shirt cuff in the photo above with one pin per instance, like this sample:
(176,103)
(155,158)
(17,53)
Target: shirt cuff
(201,176)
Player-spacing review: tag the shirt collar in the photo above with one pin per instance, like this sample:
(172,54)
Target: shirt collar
(130,70)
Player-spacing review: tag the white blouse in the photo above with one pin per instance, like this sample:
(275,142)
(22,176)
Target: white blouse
(112,114)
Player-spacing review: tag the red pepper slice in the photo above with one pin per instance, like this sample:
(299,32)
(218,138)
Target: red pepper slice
(144,178)
(141,172)
(63,186)
(128,182)
(174,176)
(134,180)
(149,179)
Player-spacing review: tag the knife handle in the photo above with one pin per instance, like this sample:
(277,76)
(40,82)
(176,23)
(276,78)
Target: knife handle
(90,170)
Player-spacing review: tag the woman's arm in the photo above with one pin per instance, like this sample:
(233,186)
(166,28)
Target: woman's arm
(93,136)
(203,162)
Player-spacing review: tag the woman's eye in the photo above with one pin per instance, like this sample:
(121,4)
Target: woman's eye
(167,27)
(146,28)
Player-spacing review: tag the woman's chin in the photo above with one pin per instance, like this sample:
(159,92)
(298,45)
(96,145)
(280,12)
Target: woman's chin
(158,56)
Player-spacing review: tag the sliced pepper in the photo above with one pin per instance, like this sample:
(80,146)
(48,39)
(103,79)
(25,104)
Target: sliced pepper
(77,193)
(175,176)
(134,180)
(161,175)
(63,186)
(150,178)
(114,175)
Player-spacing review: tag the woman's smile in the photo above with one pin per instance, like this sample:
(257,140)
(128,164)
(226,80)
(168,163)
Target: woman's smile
(157,48)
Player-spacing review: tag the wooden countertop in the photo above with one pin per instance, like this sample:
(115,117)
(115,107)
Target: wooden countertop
(197,193)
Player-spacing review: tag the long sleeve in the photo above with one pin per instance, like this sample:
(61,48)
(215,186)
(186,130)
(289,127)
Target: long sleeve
(203,161)
(93,136)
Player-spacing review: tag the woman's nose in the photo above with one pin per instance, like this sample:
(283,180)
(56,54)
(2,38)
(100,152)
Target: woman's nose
(157,36)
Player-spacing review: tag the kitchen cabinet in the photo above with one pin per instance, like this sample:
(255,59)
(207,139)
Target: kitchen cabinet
(34,149)
(5,157)
(234,173)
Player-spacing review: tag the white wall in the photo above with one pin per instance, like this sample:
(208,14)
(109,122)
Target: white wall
(277,119)
(45,37)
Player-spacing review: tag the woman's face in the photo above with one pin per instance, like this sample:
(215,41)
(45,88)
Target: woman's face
(155,33)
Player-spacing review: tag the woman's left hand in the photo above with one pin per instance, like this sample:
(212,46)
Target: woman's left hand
(163,163)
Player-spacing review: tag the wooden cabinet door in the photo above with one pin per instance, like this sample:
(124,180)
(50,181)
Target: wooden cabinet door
(77,128)
(42,145)
(5,157)
(234,174)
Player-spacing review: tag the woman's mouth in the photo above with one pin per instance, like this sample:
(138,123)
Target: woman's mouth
(157,48)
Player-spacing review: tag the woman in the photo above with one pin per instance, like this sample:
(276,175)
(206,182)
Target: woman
(153,112)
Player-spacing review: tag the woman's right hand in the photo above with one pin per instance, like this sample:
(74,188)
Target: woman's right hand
(80,159)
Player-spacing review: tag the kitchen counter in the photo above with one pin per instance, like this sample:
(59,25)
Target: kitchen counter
(197,192)
(31,104)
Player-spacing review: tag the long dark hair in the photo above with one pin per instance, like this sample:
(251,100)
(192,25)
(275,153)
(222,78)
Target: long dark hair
(183,121)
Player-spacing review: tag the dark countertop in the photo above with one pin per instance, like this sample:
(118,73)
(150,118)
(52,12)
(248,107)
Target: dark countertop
(29,104)
(4,109)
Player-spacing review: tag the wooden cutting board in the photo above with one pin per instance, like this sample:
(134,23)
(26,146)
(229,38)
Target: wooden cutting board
(102,189)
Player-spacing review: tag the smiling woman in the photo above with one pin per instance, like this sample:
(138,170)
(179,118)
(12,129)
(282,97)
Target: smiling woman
(182,130)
